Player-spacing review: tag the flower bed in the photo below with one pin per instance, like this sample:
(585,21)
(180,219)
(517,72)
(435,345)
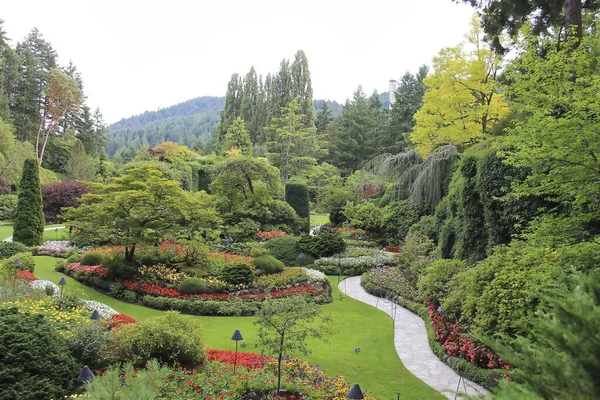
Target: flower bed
(392,280)
(355,265)
(95,270)
(55,248)
(117,321)
(265,236)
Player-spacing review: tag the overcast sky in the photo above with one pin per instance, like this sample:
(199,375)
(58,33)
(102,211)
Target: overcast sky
(144,55)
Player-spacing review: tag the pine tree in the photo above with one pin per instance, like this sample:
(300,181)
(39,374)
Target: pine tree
(237,137)
(80,166)
(232,110)
(324,118)
(29,219)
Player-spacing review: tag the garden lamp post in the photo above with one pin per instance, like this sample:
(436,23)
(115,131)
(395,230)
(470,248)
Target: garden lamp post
(16,263)
(62,284)
(95,315)
(237,336)
(301,257)
(85,375)
(56,230)
(355,392)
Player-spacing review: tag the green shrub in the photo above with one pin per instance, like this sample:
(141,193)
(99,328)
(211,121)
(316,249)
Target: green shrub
(268,264)
(27,263)
(91,258)
(29,217)
(192,286)
(8,207)
(128,383)
(324,245)
(237,273)
(425,227)
(8,249)
(195,253)
(296,195)
(35,361)
(90,344)
(437,276)
(117,266)
(172,338)
(74,258)
(284,249)
(258,251)
(201,307)
(244,231)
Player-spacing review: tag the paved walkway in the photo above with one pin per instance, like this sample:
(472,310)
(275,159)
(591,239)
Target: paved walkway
(410,340)
(9,239)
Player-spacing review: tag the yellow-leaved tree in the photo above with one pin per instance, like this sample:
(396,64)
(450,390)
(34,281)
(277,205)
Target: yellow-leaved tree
(462,102)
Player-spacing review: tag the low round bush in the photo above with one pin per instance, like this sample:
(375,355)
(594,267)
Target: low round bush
(237,273)
(91,258)
(171,338)
(323,245)
(26,263)
(9,249)
(73,258)
(268,264)
(35,361)
(192,286)
(284,249)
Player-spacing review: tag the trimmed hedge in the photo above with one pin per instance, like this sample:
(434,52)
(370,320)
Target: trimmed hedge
(9,249)
(192,286)
(237,273)
(268,264)
(296,195)
(487,378)
(91,258)
(202,307)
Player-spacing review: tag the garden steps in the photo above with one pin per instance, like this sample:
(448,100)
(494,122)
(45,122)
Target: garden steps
(410,340)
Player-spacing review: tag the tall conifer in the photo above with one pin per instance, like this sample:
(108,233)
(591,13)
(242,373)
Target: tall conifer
(29,220)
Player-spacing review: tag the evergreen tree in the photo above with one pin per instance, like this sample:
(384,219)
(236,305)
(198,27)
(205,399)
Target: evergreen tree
(81,166)
(292,147)
(282,89)
(302,88)
(29,219)
(324,118)
(354,139)
(409,99)
(237,137)
(380,118)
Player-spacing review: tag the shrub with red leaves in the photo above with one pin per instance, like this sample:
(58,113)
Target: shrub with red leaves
(56,196)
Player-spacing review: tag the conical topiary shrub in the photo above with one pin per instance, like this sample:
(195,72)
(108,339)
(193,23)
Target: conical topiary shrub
(29,220)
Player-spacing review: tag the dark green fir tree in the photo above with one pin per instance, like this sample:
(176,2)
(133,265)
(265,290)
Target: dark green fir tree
(29,220)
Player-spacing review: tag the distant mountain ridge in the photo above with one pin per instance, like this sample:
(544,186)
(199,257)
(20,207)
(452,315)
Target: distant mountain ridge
(183,123)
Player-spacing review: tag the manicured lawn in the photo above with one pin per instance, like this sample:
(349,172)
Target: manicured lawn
(319,219)
(376,367)
(7,230)
(62,234)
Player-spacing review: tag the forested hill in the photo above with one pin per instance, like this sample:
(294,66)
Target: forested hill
(183,123)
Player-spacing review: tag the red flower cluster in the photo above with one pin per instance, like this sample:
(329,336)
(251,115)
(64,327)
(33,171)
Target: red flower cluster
(248,360)
(22,274)
(117,321)
(455,341)
(266,236)
(221,258)
(157,290)
(88,269)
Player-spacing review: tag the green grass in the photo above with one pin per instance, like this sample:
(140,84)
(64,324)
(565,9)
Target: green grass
(319,219)
(6,231)
(62,234)
(376,367)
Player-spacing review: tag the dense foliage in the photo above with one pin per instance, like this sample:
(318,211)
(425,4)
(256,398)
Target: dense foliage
(57,196)
(29,219)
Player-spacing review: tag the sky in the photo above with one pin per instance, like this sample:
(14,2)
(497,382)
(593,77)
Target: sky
(145,55)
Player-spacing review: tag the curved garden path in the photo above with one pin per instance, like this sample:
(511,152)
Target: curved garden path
(410,340)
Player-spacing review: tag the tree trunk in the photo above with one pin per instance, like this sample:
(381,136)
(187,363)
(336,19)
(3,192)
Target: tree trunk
(129,251)
(573,18)
(279,365)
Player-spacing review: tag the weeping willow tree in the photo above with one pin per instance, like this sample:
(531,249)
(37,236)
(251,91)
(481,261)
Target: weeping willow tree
(408,176)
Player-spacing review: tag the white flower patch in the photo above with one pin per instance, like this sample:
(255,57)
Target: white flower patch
(104,310)
(314,275)
(42,285)
(55,247)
